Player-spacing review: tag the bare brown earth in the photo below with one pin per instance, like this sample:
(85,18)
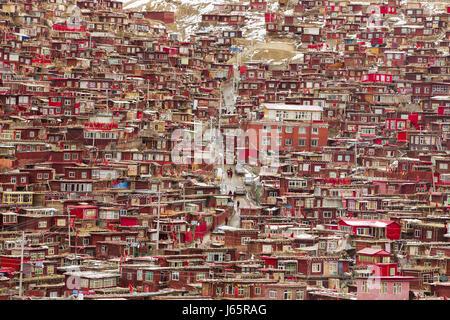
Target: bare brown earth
(275,49)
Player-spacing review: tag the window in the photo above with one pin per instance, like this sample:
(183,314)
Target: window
(299,295)
(50,270)
(175,276)
(383,288)
(98,283)
(111,282)
(365,287)
(287,295)
(149,276)
(13,179)
(279,142)
(316,267)
(66,156)
(301,142)
(288,141)
(327,214)
(315,130)
(429,234)
(362,231)
(314,142)
(289,129)
(272,294)
(417,233)
(84,283)
(257,291)
(200,276)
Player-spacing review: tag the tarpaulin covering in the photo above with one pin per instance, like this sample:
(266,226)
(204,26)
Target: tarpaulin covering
(338,180)
(401,136)
(413,118)
(59,27)
(43,61)
(269,17)
(199,232)
(128,221)
(100,125)
(388,10)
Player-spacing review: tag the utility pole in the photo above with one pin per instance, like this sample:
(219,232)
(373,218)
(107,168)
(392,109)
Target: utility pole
(21,264)
(148,92)
(184,197)
(356,149)
(310,131)
(220,117)
(159,214)
(432,178)
(68,225)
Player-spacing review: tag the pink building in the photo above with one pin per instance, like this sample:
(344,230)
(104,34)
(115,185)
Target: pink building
(383,288)
(378,229)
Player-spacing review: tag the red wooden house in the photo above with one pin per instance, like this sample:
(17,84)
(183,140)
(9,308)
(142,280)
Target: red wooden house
(379,260)
(258,5)
(88,212)
(8,220)
(374,228)
(89,281)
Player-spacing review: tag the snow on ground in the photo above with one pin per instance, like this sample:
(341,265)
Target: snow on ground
(133,5)
(188,16)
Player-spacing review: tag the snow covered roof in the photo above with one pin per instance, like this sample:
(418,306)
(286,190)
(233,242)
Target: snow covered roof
(372,251)
(367,223)
(292,107)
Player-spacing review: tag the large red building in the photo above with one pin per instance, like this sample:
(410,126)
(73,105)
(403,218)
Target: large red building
(376,228)
(285,128)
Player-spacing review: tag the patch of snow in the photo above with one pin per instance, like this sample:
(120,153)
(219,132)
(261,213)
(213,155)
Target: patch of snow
(135,4)
(289,12)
